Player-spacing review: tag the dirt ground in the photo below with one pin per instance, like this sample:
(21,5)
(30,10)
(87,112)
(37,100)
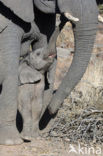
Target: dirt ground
(44,147)
(78,127)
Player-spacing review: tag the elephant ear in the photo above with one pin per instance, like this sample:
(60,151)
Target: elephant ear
(22,8)
(28,75)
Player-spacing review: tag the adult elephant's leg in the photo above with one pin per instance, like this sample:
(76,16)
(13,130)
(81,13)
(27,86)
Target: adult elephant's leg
(10,41)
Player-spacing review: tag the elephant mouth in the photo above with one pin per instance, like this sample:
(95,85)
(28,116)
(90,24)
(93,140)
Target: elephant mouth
(52,55)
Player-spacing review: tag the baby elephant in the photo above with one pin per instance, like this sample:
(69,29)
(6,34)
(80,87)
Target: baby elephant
(32,73)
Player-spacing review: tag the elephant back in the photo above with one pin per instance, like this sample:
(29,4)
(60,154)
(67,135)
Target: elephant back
(22,8)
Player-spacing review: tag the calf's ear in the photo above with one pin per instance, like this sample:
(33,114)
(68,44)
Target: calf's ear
(29,75)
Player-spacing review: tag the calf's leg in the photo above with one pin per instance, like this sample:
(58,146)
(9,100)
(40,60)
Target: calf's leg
(24,106)
(37,105)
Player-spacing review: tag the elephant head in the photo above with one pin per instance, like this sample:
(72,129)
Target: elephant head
(39,59)
(42,58)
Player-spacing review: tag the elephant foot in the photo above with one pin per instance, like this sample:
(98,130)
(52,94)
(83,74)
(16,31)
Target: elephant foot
(26,133)
(9,135)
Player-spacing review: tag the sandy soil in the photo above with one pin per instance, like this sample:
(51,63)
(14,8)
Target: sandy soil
(43,147)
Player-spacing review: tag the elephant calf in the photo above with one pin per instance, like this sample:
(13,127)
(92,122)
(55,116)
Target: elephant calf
(32,73)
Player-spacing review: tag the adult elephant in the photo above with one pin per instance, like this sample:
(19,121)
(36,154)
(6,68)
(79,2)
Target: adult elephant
(15,22)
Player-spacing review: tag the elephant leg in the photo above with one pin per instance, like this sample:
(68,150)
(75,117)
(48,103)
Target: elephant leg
(10,40)
(48,93)
(27,122)
(37,106)
(25,108)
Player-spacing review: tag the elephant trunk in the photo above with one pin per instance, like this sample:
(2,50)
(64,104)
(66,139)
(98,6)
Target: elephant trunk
(84,33)
(84,39)
(51,47)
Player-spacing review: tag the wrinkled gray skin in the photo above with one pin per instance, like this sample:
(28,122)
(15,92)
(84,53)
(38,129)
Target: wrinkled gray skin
(84,32)
(33,98)
(12,32)
(31,92)
(11,37)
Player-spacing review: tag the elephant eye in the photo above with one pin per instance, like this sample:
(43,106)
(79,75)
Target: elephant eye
(38,54)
